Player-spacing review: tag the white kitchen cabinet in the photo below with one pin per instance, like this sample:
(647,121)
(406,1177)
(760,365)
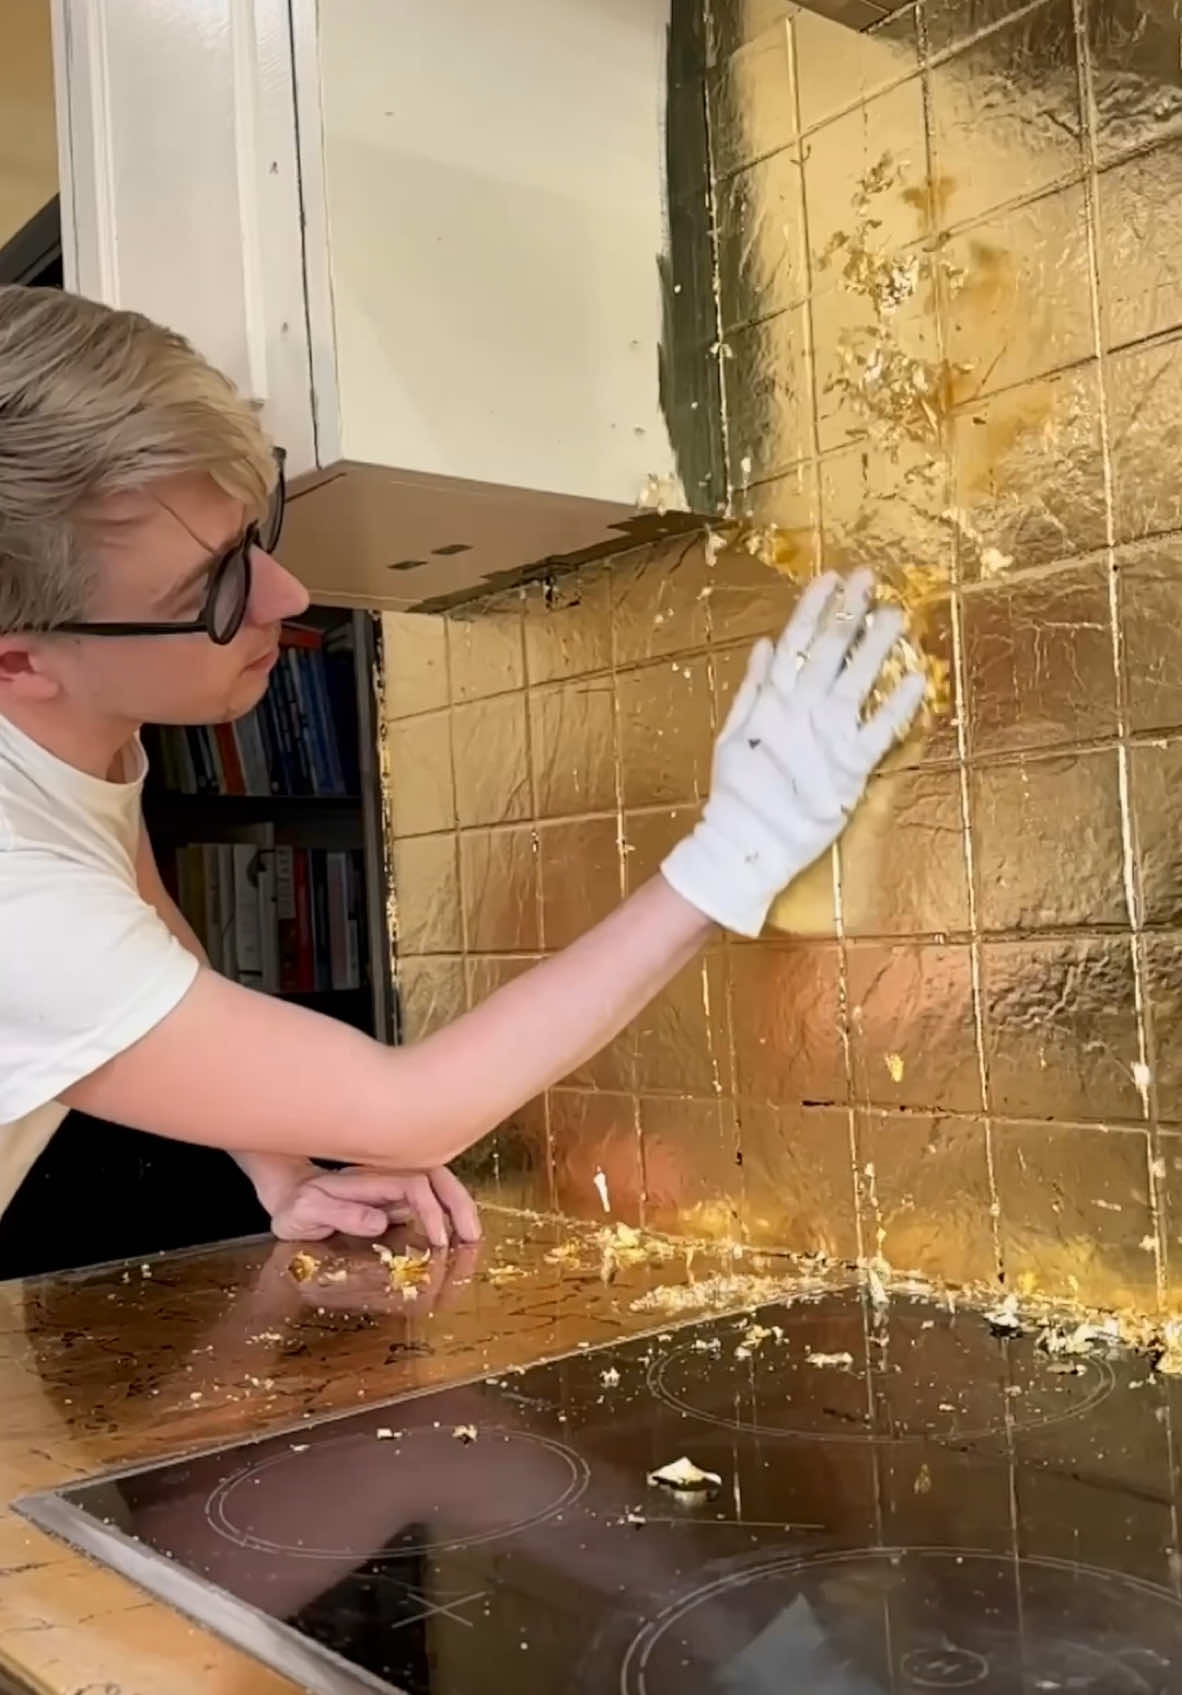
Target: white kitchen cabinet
(424,233)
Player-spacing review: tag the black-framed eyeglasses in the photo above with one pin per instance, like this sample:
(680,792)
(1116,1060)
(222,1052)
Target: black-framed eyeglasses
(228,594)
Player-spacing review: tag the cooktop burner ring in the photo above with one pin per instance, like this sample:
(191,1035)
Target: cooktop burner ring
(575,1477)
(1094,1368)
(936,1665)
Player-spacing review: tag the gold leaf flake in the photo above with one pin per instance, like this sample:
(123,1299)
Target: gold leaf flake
(303,1266)
(684,1474)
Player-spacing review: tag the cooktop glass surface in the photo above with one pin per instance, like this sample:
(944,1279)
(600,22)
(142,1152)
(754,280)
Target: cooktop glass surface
(868,1509)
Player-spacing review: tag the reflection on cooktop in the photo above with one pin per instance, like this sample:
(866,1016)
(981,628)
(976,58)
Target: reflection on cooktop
(888,1508)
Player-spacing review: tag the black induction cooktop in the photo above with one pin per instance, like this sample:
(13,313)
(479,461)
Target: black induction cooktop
(894,1503)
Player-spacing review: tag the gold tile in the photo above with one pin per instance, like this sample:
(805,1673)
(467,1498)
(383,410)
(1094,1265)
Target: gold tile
(762,263)
(486,973)
(1048,844)
(1155,771)
(1060,1027)
(947,22)
(865,176)
(592,1133)
(902,857)
(1038,661)
(1136,74)
(499,885)
(484,648)
(580,863)
(912,1029)
(730,667)
(807,908)
(1162,955)
(786,1020)
(887,511)
(1140,249)
(930,627)
(421,791)
(1075,1210)
(1005,114)
(492,767)
(855,343)
(649,836)
(768,397)
(749,599)
(752,104)
(659,602)
(430,993)
(682,1036)
(666,732)
(522,1160)
(730,23)
(836,68)
(427,895)
(692,1176)
(573,747)
(1145,428)
(1169,1190)
(414,663)
(1149,582)
(790,506)
(568,624)
(1016,293)
(1029,475)
(798,1179)
(926,1204)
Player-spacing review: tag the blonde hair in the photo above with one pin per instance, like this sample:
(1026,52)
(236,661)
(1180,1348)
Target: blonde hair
(96,402)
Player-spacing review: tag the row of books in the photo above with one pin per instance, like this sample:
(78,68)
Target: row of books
(301,739)
(281,919)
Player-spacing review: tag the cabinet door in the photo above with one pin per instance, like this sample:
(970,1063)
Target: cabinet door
(180,184)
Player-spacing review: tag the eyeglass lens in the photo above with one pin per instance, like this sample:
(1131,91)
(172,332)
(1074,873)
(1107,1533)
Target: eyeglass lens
(230,592)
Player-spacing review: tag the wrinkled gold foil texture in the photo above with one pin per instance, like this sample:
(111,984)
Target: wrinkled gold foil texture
(949,343)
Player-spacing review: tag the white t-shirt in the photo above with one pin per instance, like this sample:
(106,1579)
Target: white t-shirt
(87,966)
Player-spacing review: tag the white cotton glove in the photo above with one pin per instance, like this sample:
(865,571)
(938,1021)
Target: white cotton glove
(794,755)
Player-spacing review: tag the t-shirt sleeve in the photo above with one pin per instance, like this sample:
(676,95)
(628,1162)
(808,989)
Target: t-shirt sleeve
(87,967)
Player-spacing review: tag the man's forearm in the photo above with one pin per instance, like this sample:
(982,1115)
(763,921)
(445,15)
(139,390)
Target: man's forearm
(546,1023)
(240,1070)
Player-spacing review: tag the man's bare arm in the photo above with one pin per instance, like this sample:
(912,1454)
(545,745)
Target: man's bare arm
(232,1068)
(240,1070)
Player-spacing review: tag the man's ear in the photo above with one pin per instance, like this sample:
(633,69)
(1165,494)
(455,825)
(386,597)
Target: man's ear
(23,673)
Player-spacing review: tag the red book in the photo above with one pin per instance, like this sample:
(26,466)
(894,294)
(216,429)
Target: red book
(299,635)
(235,777)
(302,895)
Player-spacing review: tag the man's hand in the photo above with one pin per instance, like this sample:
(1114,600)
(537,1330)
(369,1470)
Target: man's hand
(306,1204)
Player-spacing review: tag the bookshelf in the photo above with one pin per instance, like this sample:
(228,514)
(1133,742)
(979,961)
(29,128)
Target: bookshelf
(268,831)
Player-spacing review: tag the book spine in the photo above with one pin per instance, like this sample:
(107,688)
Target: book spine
(285,914)
(213,905)
(305,939)
(231,762)
(248,945)
(268,924)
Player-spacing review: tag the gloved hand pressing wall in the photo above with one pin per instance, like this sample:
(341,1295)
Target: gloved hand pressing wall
(795,753)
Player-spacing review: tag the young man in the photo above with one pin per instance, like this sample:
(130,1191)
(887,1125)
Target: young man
(139,501)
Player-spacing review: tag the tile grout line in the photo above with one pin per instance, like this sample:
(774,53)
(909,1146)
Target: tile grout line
(816,494)
(1146,1074)
(959,704)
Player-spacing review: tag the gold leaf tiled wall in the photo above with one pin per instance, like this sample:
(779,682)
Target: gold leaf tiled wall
(948,292)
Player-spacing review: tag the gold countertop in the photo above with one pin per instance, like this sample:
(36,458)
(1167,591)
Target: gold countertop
(132,1363)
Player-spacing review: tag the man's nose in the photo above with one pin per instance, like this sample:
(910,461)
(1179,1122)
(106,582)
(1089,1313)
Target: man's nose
(274,593)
